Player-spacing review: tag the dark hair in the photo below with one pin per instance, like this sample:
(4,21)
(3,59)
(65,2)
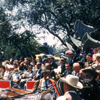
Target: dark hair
(70,64)
(2,67)
(91,71)
(89,54)
(22,58)
(33,55)
(13,53)
(27,58)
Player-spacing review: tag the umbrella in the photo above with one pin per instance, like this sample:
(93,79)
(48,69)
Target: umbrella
(70,47)
(76,42)
(84,38)
(90,43)
(80,29)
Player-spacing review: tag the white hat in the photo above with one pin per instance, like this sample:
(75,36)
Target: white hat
(97,55)
(9,66)
(72,81)
(50,56)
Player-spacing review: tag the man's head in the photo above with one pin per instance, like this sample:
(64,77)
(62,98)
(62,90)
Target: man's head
(90,73)
(12,54)
(47,66)
(68,66)
(30,68)
(69,53)
(81,74)
(98,57)
(62,60)
(50,58)
(46,73)
(76,67)
(27,60)
(71,82)
(38,65)
(89,57)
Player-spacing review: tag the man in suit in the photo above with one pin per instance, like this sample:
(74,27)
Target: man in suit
(72,56)
(61,68)
(70,84)
(38,73)
(53,65)
(44,83)
(76,69)
(68,69)
(89,61)
(51,61)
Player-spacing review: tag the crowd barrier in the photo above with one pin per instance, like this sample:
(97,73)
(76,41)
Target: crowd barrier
(29,85)
(5,84)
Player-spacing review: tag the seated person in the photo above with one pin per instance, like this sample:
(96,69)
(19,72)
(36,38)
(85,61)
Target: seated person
(95,51)
(38,73)
(44,83)
(8,73)
(26,76)
(68,69)
(89,60)
(76,69)
(15,79)
(60,69)
(2,70)
(97,63)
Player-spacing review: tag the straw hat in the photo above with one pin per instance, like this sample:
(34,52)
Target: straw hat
(72,81)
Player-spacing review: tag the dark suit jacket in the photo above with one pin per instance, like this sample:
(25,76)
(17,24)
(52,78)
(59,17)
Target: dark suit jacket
(72,96)
(53,65)
(62,68)
(40,74)
(37,85)
(88,63)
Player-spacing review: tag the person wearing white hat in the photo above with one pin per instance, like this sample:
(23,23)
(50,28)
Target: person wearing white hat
(70,84)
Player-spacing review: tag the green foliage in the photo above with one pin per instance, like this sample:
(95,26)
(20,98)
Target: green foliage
(57,16)
(22,44)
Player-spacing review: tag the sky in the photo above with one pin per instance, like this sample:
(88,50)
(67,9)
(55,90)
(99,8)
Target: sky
(49,38)
(2,2)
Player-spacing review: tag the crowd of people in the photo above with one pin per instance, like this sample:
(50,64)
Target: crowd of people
(71,73)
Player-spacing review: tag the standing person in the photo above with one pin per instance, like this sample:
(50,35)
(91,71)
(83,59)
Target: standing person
(12,54)
(70,84)
(1,56)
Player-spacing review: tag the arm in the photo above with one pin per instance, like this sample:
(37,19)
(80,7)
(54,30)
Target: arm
(35,86)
